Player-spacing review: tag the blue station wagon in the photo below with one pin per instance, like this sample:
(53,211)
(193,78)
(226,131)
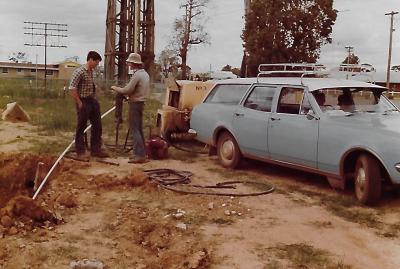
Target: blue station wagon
(343,129)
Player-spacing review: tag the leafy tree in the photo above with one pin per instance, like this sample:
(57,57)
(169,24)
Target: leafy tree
(396,68)
(227,68)
(168,61)
(17,57)
(352,59)
(278,31)
(189,30)
(158,71)
(236,71)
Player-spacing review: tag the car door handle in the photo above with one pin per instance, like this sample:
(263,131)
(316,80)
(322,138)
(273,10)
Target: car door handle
(273,118)
(239,114)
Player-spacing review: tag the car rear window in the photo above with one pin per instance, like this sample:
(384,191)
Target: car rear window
(261,98)
(227,94)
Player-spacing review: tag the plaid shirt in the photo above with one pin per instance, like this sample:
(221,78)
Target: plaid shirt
(82,81)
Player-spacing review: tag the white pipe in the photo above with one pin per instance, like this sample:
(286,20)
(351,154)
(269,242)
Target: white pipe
(62,155)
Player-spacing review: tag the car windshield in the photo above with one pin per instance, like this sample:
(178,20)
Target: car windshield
(352,100)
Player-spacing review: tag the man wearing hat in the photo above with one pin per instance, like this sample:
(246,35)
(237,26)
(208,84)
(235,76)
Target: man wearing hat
(137,91)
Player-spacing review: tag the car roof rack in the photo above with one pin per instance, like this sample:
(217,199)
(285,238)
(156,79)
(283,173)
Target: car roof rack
(291,70)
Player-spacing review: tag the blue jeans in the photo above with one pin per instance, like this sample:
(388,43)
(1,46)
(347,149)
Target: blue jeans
(136,128)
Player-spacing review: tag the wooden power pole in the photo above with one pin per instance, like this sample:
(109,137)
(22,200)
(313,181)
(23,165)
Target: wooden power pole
(130,28)
(390,47)
(45,30)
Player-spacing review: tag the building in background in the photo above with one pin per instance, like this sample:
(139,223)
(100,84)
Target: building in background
(62,70)
(380,79)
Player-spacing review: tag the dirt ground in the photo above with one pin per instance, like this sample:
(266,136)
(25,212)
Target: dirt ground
(116,215)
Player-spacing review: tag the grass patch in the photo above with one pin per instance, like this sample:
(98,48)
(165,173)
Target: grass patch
(341,206)
(229,173)
(195,219)
(48,147)
(53,111)
(188,157)
(348,209)
(223,221)
(40,254)
(74,238)
(12,141)
(355,215)
(321,224)
(67,251)
(302,256)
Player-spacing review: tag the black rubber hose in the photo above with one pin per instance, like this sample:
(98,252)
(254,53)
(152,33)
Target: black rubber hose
(170,179)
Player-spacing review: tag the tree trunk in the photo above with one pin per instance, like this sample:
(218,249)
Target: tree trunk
(183,65)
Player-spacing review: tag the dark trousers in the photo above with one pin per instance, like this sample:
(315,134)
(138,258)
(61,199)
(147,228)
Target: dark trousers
(136,127)
(90,110)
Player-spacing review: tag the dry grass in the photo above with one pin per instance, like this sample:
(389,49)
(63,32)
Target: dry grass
(299,256)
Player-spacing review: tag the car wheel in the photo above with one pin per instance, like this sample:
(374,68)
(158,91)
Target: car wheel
(367,181)
(228,151)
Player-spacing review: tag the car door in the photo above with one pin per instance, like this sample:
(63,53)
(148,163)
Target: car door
(292,136)
(217,110)
(250,121)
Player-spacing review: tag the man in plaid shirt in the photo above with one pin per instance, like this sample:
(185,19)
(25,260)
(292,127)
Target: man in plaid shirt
(82,89)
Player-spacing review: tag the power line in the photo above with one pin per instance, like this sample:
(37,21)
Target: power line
(45,29)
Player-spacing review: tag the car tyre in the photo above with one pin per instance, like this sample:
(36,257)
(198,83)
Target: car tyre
(367,180)
(228,151)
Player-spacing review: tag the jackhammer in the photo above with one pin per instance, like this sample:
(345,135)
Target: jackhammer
(119,100)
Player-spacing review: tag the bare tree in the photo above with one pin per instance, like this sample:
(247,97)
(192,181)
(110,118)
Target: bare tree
(189,30)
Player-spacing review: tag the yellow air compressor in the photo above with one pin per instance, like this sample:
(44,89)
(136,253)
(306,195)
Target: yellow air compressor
(181,96)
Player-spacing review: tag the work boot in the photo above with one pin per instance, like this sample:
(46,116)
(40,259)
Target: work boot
(100,154)
(137,159)
(82,156)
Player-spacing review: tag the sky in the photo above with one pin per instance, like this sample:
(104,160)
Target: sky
(361,24)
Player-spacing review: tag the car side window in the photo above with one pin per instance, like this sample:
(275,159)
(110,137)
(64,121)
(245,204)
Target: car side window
(227,94)
(260,98)
(290,100)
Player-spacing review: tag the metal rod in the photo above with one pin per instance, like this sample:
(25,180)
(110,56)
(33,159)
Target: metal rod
(37,174)
(62,155)
(45,58)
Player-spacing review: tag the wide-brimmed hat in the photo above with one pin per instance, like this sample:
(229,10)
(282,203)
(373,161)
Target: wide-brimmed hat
(134,58)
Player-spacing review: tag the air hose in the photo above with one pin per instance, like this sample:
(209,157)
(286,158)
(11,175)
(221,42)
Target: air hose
(179,181)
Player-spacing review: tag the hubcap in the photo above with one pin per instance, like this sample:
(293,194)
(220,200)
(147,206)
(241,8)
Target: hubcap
(360,181)
(227,150)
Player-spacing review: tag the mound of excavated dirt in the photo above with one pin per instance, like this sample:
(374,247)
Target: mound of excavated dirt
(22,212)
(136,178)
(17,174)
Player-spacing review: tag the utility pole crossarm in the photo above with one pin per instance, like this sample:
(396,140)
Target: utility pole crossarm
(349,49)
(45,29)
